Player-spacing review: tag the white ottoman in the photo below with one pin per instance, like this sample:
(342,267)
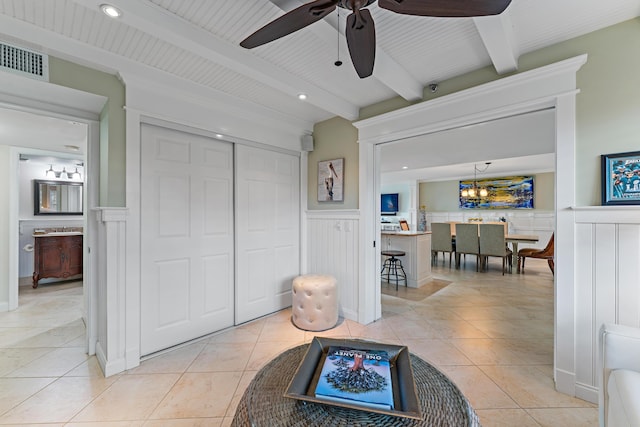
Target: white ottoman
(315,302)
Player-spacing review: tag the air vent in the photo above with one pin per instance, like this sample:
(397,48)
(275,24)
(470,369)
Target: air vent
(24,62)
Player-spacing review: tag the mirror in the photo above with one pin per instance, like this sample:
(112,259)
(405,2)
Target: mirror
(57,198)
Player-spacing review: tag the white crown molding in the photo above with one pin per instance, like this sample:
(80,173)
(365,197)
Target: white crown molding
(521,89)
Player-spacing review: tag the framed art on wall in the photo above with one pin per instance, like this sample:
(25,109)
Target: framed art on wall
(331,180)
(621,178)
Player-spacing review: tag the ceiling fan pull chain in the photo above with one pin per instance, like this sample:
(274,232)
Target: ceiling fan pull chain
(338,62)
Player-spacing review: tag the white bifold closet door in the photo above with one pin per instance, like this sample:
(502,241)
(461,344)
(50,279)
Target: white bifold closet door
(187,237)
(267,230)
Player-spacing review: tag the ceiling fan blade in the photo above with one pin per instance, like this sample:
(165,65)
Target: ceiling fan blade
(290,22)
(361,39)
(446,8)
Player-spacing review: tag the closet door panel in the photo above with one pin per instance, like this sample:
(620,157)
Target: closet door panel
(268,230)
(187,237)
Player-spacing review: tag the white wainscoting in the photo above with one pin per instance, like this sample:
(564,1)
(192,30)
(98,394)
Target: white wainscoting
(109,259)
(607,266)
(334,248)
(540,223)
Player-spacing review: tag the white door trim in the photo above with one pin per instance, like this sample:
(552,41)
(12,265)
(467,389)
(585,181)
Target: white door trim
(44,98)
(550,86)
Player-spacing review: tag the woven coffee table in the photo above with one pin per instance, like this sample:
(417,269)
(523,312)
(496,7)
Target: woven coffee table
(263,403)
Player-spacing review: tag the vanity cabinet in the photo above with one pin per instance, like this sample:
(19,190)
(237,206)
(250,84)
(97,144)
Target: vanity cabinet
(57,256)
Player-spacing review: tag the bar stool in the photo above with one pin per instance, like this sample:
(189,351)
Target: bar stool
(393,267)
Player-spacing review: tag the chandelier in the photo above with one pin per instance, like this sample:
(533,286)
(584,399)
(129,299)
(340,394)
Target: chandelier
(475,192)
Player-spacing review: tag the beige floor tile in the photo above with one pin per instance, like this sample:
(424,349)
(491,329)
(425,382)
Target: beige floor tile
(199,395)
(134,396)
(59,401)
(515,328)
(376,331)
(566,417)
(247,333)
(221,357)
(452,329)
(15,390)
(506,418)
(56,363)
(265,352)
(506,351)
(186,422)
(136,423)
(281,331)
(530,387)
(456,329)
(478,388)
(174,361)
(437,352)
(89,368)
(14,358)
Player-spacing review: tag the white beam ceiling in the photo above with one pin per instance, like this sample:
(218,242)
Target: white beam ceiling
(172,29)
(498,37)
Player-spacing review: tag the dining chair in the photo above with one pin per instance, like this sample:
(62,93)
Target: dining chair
(546,253)
(441,241)
(467,242)
(493,243)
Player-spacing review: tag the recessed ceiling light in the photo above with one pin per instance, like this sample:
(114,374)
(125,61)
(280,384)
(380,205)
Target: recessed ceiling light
(219,135)
(302,96)
(72,147)
(405,167)
(110,11)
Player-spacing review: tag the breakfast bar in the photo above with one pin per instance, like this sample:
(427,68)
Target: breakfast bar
(417,261)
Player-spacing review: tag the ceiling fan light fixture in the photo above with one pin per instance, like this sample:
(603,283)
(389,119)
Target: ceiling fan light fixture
(110,10)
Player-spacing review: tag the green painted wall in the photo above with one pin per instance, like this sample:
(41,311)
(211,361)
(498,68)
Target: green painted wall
(608,106)
(112,123)
(442,196)
(333,139)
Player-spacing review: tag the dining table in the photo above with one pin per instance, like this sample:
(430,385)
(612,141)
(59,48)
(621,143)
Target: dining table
(514,239)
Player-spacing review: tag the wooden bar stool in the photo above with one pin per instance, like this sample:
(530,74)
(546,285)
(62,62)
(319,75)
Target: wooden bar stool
(392,267)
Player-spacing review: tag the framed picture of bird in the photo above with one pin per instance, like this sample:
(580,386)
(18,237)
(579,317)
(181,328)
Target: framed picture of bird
(331,180)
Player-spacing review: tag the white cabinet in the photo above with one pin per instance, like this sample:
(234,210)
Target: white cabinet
(417,261)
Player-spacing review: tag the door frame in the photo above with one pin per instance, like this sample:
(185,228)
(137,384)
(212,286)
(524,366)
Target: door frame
(68,104)
(551,86)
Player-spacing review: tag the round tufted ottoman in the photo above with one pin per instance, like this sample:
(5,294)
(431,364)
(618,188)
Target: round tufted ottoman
(315,302)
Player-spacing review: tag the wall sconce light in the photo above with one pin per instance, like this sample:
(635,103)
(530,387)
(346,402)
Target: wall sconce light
(62,173)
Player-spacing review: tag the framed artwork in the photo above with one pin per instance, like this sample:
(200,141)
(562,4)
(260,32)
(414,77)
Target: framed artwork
(331,180)
(621,178)
(508,192)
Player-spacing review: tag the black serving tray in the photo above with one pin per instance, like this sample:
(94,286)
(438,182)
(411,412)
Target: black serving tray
(304,381)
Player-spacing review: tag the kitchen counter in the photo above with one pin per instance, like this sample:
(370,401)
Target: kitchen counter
(417,261)
(405,233)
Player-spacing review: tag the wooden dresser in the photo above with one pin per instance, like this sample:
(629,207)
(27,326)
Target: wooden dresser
(57,256)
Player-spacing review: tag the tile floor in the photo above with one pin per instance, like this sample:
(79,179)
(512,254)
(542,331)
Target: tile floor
(491,334)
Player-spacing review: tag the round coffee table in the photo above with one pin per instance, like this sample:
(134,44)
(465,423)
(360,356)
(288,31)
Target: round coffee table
(263,403)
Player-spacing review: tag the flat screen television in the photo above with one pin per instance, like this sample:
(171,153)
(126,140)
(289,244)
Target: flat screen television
(389,204)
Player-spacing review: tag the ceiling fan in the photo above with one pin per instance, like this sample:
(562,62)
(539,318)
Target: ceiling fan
(360,30)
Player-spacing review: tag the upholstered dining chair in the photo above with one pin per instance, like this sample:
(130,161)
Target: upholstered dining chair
(546,253)
(493,243)
(441,241)
(467,242)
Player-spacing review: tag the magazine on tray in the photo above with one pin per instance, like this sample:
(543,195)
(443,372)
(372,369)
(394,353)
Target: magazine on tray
(359,377)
